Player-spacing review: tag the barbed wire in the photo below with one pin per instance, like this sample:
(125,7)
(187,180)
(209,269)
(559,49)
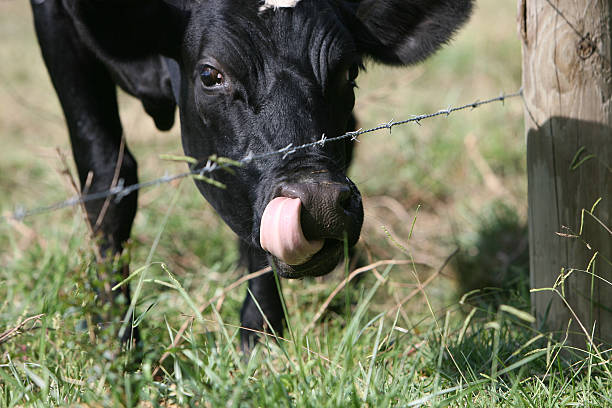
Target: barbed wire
(200,169)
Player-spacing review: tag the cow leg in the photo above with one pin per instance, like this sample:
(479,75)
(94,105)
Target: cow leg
(263,295)
(89,101)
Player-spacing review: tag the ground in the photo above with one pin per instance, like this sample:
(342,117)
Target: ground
(445,200)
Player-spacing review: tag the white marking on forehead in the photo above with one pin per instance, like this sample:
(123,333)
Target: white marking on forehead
(268,4)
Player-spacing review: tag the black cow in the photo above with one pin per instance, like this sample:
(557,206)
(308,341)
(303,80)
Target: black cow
(248,76)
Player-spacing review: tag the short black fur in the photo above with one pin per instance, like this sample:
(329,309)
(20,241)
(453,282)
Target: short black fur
(287,78)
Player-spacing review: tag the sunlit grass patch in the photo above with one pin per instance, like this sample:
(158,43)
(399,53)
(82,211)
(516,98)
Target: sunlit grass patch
(442,320)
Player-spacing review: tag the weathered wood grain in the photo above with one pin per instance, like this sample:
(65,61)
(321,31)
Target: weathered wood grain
(567,80)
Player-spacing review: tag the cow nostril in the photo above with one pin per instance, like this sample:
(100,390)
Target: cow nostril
(344,197)
(328,209)
(310,227)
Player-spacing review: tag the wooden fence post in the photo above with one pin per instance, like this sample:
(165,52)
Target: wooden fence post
(567,82)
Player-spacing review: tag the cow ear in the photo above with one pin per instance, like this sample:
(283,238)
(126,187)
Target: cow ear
(400,32)
(131,29)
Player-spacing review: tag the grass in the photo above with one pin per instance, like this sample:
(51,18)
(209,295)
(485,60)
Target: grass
(427,190)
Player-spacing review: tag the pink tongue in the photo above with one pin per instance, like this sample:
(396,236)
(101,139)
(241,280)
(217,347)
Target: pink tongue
(281,234)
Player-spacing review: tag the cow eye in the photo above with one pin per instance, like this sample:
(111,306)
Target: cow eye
(211,76)
(351,75)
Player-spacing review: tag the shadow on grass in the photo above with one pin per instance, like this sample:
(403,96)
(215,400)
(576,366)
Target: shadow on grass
(493,263)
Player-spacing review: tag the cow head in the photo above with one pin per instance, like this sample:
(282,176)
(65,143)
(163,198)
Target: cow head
(258,76)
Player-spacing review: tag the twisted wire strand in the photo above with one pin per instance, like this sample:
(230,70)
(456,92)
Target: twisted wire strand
(211,165)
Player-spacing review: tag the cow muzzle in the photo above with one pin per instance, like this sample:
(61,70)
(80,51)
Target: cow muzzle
(304,226)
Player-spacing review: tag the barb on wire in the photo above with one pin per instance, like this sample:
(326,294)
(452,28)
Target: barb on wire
(200,170)
(322,140)
(390,125)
